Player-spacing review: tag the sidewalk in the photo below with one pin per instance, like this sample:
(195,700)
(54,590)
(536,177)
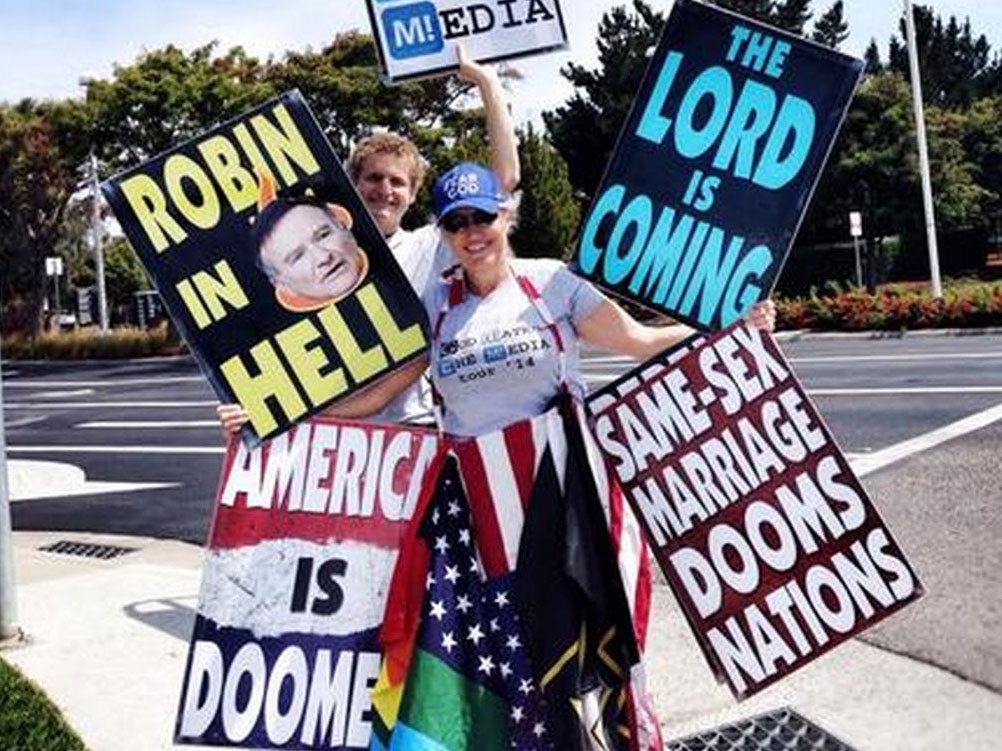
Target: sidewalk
(108,642)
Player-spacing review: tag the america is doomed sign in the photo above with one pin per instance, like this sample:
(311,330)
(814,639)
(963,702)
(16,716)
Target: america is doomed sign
(284,650)
(763,531)
(715,166)
(269,264)
(417,39)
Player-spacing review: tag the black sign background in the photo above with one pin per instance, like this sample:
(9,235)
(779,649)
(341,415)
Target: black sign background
(229,239)
(822,77)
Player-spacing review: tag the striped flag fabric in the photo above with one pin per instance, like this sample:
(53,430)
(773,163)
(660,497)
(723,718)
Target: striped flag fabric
(498,473)
(469,683)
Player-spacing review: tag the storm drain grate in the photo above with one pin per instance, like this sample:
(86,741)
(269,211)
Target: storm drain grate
(780,730)
(86,549)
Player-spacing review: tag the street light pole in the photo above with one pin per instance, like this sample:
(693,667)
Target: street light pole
(930,218)
(102,298)
(8,600)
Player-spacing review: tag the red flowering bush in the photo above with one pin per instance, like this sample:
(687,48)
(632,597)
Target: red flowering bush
(897,307)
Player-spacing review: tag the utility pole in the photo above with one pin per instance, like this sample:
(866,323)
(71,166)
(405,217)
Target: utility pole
(8,601)
(95,226)
(930,218)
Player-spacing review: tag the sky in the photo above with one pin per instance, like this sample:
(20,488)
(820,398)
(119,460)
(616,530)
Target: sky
(50,45)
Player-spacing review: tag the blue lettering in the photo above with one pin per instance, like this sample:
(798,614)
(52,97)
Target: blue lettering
(739,35)
(749,122)
(653,125)
(662,254)
(742,292)
(637,215)
(777,59)
(609,203)
(713,82)
(709,280)
(796,117)
(691,256)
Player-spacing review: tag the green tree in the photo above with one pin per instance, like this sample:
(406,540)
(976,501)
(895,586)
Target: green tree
(123,277)
(871,58)
(760,10)
(832,29)
(873,169)
(585,128)
(548,214)
(791,15)
(167,96)
(955,66)
(34,187)
(982,139)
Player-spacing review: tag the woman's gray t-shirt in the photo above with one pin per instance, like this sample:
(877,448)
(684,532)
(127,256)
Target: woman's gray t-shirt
(495,361)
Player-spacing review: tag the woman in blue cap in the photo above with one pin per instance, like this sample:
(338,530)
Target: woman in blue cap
(506,326)
(504,362)
(509,327)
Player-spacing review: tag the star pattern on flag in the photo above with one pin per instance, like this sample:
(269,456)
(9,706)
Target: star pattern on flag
(470,624)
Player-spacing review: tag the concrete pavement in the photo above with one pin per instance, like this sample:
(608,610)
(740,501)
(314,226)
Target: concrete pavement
(108,641)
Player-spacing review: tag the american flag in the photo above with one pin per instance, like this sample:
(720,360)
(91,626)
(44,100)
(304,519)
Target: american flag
(471,624)
(499,470)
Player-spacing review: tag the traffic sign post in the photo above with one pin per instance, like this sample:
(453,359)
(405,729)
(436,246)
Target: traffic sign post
(54,268)
(856,230)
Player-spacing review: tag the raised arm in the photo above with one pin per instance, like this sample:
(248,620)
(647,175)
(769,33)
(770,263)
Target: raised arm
(367,402)
(500,129)
(613,329)
(373,398)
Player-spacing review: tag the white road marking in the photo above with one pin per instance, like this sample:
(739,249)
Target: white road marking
(62,394)
(109,405)
(111,381)
(31,480)
(603,379)
(908,391)
(140,424)
(899,358)
(865,464)
(21,422)
(54,449)
(629,361)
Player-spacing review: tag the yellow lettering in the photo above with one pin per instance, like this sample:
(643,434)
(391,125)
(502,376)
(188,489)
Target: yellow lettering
(399,343)
(307,362)
(360,364)
(150,207)
(250,148)
(193,303)
(203,214)
(236,182)
(224,286)
(272,381)
(287,142)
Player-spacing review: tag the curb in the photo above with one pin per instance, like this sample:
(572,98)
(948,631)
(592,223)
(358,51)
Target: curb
(807,334)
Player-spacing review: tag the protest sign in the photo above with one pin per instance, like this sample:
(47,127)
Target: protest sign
(715,166)
(764,533)
(269,264)
(306,531)
(418,39)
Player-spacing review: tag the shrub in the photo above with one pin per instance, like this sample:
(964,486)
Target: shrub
(87,343)
(966,303)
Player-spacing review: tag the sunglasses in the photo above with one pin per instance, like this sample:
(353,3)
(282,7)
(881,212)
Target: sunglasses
(454,222)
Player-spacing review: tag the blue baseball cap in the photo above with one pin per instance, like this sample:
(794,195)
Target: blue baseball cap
(468,186)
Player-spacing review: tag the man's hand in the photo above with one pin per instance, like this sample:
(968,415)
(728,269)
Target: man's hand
(232,417)
(470,70)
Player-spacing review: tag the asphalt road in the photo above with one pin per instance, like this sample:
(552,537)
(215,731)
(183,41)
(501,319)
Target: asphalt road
(153,422)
